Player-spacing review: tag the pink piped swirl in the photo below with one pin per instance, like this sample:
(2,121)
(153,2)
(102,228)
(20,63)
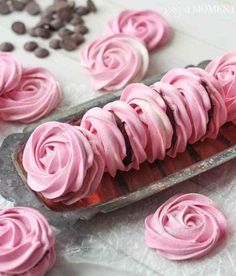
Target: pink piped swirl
(194,95)
(114,61)
(27,243)
(148,26)
(185,227)
(224,70)
(103,125)
(10,72)
(151,111)
(63,163)
(35,96)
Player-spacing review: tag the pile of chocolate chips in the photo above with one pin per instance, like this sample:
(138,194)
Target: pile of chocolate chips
(62,23)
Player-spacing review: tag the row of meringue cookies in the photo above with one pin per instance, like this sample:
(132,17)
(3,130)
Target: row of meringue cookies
(121,55)
(26,94)
(65,163)
(27,243)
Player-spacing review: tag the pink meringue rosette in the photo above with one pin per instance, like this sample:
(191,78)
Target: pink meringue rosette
(102,124)
(10,72)
(194,95)
(114,61)
(64,163)
(148,26)
(185,227)
(27,243)
(223,69)
(151,111)
(36,95)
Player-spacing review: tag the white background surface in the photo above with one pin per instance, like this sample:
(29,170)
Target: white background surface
(202,30)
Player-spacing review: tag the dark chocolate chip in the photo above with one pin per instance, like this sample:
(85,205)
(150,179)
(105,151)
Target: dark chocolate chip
(68,43)
(4,7)
(78,38)
(65,14)
(56,24)
(18,27)
(41,52)
(43,33)
(91,6)
(55,43)
(18,5)
(7,47)
(33,8)
(32,32)
(76,20)
(30,46)
(81,29)
(81,10)
(64,32)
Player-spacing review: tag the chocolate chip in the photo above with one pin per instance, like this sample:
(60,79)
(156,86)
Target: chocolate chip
(4,7)
(33,8)
(81,29)
(43,33)
(76,20)
(78,38)
(30,46)
(64,32)
(18,27)
(81,10)
(18,5)
(7,47)
(32,32)
(56,24)
(41,52)
(91,6)
(68,43)
(55,43)
(65,14)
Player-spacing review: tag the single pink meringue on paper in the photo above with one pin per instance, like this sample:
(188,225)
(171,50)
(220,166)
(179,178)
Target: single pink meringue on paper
(114,61)
(10,72)
(185,227)
(148,26)
(35,96)
(64,163)
(224,70)
(27,243)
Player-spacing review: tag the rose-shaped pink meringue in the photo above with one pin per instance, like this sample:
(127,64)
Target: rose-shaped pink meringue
(36,95)
(177,113)
(64,163)
(197,101)
(224,70)
(146,25)
(135,132)
(103,125)
(114,61)
(185,227)
(218,112)
(151,110)
(10,72)
(26,243)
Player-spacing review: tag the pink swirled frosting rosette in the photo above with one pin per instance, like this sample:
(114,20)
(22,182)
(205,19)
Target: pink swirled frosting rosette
(185,227)
(223,69)
(26,243)
(63,163)
(114,61)
(10,72)
(36,95)
(148,26)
